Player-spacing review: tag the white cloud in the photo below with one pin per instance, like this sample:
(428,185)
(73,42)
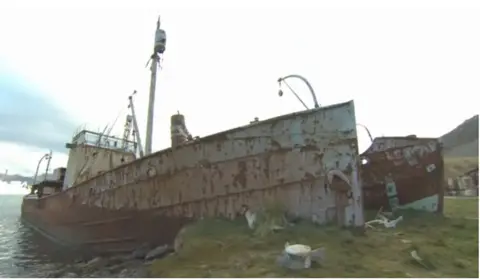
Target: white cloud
(410,71)
(24,159)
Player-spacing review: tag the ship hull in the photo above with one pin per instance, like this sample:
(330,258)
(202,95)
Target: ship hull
(101,230)
(403,172)
(283,160)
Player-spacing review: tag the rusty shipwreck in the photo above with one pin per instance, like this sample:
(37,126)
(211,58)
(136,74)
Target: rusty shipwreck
(403,172)
(109,199)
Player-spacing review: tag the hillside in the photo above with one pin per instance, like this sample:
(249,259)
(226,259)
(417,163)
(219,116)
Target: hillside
(460,148)
(457,166)
(462,141)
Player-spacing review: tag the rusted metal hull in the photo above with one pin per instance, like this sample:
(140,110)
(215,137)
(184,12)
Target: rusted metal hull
(100,230)
(403,171)
(284,160)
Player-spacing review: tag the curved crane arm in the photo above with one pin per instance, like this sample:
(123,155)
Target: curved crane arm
(368,131)
(38,166)
(306,82)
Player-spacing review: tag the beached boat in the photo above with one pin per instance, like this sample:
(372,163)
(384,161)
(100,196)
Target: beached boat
(111,201)
(108,199)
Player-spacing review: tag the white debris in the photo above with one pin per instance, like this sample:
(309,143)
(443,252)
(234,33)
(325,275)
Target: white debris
(299,256)
(382,219)
(386,223)
(417,258)
(393,223)
(415,255)
(251,218)
(297,249)
(339,174)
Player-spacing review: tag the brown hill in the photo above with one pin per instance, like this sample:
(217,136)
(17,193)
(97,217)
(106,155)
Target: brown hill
(461,148)
(462,141)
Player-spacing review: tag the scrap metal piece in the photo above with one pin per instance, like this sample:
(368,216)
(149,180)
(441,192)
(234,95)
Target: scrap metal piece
(300,256)
(403,172)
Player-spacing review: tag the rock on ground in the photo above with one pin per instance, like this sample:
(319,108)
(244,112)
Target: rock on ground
(158,252)
(142,251)
(133,265)
(178,242)
(284,260)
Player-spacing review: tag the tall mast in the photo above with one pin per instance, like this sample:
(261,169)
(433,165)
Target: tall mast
(135,125)
(158,49)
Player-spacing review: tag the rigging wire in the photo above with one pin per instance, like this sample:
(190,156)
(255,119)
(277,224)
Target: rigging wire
(116,119)
(159,61)
(298,97)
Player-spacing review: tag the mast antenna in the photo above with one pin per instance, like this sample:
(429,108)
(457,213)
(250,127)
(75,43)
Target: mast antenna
(158,50)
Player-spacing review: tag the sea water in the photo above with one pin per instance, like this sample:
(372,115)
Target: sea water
(24,252)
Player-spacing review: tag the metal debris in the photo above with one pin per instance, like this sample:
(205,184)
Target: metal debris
(299,256)
(250,216)
(381,219)
(141,251)
(418,259)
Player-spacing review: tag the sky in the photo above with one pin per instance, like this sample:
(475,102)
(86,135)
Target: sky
(411,67)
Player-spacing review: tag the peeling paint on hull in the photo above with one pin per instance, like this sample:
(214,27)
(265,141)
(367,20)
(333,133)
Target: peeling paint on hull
(407,170)
(284,159)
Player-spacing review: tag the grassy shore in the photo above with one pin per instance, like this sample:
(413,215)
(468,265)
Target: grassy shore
(461,207)
(449,245)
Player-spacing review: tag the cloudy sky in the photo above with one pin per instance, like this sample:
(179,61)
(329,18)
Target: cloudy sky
(412,67)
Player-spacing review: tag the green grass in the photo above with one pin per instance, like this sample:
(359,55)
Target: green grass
(220,248)
(461,207)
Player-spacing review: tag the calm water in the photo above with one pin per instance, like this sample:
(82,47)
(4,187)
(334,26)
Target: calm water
(23,252)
